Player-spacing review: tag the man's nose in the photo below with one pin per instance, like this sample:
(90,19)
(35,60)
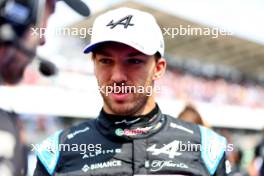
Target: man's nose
(119,74)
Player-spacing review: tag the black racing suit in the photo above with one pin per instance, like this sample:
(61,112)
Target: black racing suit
(147,145)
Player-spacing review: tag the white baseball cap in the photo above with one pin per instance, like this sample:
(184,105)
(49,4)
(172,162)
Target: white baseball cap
(132,27)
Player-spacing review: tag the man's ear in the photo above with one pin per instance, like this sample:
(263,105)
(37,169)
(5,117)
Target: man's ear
(160,68)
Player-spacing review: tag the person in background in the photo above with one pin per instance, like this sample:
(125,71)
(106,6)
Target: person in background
(190,114)
(17,50)
(235,158)
(256,167)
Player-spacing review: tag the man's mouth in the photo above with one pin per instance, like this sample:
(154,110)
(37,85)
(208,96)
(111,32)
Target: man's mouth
(119,96)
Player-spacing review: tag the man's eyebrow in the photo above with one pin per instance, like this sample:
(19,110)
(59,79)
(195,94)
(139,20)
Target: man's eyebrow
(133,54)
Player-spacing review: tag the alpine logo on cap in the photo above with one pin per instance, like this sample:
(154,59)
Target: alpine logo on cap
(123,21)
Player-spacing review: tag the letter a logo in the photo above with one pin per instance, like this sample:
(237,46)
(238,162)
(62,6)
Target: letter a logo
(124,21)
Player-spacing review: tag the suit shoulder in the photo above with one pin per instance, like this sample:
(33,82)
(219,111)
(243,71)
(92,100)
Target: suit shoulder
(78,129)
(213,145)
(48,151)
(213,148)
(180,124)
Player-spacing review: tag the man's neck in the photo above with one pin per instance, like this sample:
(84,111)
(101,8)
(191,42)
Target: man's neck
(146,109)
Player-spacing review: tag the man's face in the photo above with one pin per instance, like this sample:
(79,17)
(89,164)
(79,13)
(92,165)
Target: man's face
(120,65)
(13,62)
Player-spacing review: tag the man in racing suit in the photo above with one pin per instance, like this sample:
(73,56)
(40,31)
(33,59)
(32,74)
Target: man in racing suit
(130,136)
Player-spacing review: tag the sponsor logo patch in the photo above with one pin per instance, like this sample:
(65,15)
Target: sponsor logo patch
(157,165)
(107,164)
(169,149)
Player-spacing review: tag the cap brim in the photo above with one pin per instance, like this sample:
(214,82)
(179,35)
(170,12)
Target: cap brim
(89,48)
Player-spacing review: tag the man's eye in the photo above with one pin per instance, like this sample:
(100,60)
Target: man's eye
(135,61)
(105,61)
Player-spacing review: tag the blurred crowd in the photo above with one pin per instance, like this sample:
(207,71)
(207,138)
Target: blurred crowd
(219,91)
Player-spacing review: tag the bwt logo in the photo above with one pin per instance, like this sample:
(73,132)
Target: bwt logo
(128,132)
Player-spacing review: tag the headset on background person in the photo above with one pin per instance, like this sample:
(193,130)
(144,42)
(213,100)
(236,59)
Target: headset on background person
(16,16)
